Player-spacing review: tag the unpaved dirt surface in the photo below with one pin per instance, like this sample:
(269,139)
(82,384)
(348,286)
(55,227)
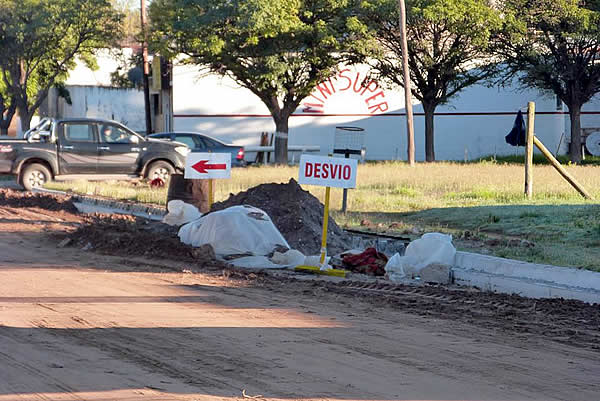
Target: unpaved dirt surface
(297,214)
(81,325)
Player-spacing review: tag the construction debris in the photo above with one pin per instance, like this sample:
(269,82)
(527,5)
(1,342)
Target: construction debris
(297,214)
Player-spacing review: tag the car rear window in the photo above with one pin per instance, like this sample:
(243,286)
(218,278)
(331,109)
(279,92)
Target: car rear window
(188,140)
(210,143)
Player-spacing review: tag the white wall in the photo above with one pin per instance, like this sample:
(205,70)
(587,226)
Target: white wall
(123,105)
(473,124)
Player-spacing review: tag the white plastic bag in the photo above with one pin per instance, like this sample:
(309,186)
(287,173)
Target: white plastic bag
(431,248)
(180,213)
(291,258)
(234,231)
(394,268)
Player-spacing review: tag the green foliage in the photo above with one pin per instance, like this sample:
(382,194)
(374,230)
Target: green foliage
(553,45)
(40,40)
(278,49)
(449,47)
(448,44)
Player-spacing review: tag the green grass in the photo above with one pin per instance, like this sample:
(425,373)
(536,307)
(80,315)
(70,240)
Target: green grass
(537,159)
(479,203)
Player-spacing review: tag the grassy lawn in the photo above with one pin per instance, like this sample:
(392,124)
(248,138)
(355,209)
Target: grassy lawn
(481,204)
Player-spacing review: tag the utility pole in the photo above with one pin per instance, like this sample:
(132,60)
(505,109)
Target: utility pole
(410,131)
(146,68)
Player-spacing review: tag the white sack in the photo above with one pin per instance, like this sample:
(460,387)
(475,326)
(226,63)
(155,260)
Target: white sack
(180,213)
(255,262)
(234,231)
(286,260)
(431,248)
(394,268)
(290,258)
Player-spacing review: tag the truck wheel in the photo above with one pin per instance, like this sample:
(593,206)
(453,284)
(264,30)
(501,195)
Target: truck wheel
(35,176)
(160,169)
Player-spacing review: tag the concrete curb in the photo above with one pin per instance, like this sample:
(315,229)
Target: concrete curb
(88,204)
(528,279)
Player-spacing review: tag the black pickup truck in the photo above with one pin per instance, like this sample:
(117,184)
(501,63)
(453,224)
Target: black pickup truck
(71,148)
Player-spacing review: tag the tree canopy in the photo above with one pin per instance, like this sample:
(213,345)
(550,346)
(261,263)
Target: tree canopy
(278,49)
(449,43)
(40,41)
(554,45)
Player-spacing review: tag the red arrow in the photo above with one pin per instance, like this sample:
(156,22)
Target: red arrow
(202,166)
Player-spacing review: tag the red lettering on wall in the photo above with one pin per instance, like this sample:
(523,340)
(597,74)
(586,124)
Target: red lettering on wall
(308,108)
(332,86)
(341,75)
(370,91)
(317,170)
(369,86)
(375,96)
(325,91)
(357,81)
(383,107)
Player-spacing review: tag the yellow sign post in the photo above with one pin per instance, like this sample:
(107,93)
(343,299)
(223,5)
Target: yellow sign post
(325,224)
(328,172)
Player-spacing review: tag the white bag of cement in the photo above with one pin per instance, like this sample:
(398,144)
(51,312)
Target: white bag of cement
(255,262)
(180,213)
(286,260)
(291,258)
(430,249)
(234,231)
(394,268)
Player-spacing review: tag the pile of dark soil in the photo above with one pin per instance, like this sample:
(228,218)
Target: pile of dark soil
(13,198)
(296,213)
(132,236)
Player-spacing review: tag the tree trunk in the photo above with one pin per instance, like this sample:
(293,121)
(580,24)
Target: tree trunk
(575,117)
(429,142)
(25,118)
(6,114)
(281,138)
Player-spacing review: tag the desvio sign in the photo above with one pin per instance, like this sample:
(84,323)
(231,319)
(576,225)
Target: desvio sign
(328,171)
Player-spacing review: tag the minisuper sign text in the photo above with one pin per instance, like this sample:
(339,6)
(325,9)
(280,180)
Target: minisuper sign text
(328,171)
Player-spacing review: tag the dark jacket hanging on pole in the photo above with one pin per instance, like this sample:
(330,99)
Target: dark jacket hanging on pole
(517,136)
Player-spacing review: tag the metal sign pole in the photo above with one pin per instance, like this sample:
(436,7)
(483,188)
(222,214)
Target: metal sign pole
(345,194)
(325,224)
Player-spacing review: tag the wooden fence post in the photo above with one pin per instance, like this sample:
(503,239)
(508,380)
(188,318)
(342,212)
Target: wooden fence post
(529,150)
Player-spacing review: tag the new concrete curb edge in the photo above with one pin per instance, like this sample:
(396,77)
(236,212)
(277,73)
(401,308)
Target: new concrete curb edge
(528,279)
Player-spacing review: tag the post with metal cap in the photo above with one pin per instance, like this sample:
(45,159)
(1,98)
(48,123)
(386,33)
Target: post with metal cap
(348,141)
(529,150)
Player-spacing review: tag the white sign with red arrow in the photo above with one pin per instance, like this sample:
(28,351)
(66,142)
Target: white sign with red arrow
(207,165)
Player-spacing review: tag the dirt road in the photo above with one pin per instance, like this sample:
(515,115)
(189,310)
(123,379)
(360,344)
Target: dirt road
(76,325)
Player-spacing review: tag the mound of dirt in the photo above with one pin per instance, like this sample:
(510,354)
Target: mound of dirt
(296,213)
(13,198)
(127,235)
